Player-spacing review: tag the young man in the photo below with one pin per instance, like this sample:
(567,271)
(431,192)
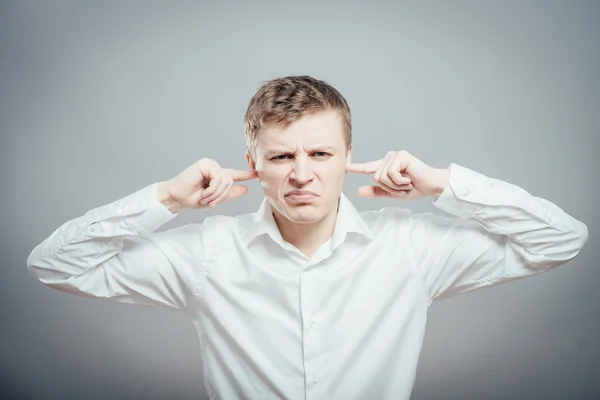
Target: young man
(308,298)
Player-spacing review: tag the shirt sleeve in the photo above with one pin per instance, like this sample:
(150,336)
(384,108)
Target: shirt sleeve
(498,232)
(113,253)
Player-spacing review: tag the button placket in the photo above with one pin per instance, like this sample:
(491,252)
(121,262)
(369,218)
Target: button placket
(307,297)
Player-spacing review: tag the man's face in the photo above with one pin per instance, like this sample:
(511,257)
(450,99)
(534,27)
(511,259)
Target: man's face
(309,156)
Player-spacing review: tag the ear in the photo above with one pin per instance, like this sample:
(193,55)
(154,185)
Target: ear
(251,163)
(349,156)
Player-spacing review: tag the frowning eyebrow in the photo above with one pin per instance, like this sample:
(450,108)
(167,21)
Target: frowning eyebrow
(288,151)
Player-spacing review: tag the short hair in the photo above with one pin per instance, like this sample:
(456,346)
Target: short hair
(285,100)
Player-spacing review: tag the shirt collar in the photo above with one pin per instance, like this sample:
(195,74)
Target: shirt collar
(262,222)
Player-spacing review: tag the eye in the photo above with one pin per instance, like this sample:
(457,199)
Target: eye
(280,157)
(321,154)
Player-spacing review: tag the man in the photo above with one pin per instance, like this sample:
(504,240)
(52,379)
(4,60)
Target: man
(308,298)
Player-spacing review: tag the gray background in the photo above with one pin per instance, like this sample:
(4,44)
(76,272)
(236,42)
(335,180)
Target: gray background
(101,98)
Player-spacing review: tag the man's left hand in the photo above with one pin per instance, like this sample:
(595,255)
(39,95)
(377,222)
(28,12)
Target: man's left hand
(400,175)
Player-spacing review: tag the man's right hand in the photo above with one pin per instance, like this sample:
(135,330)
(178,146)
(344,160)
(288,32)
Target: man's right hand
(203,184)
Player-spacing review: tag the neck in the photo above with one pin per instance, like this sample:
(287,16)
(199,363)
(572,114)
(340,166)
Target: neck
(307,237)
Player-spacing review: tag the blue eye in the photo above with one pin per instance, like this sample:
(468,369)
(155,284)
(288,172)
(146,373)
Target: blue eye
(319,154)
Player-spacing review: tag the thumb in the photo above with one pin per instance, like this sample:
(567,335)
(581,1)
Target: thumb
(239,175)
(237,191)
(376,191)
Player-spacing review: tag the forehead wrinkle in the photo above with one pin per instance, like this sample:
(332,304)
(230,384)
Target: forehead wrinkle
(274,143)
(286,149)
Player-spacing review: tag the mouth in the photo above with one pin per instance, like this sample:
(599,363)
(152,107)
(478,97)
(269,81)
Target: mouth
(300,195)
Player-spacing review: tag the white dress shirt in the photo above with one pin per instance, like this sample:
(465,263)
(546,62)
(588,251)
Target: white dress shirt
(346,323)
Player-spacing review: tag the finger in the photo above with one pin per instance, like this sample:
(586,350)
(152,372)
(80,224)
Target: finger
(225,184)
(213,185)
(239,175)
(387,181)
(394,179)
(399,164)
(396,191)
(363,168)
(234,192)
(399,179)
(208,173)
(378,172)
(407,186)
(378,191)
(392,192)
(384,177)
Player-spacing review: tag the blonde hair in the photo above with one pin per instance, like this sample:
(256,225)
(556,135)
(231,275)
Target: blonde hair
(285,100)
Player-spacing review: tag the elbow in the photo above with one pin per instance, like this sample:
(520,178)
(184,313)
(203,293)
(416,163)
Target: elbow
(574,242)
(43,269)
(582,237)
(39,269)
(34,264)
(564,246)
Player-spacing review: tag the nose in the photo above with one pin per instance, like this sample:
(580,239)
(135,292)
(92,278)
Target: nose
(301,171)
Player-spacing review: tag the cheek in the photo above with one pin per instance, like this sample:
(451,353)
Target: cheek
(331,171)
(272,177)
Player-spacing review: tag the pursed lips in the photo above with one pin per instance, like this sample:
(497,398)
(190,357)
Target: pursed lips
(301,193)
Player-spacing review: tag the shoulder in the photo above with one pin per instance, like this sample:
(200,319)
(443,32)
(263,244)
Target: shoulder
(217,225)
(385,216)
(227,229)
(396,217)
(218,221)
(200,233)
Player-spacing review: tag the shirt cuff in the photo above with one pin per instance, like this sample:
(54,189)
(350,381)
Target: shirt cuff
(459,198)
(141,211)
(153,213)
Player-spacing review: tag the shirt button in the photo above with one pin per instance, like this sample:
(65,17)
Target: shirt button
(465,192)
(311,324)
(315,380)
(141,206)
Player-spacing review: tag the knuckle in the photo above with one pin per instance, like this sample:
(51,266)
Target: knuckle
(206,161)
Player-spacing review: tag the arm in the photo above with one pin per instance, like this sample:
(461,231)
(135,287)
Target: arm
(502,233)
(112,252)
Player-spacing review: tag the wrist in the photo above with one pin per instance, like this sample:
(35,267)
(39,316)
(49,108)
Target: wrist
(441,182)
(164,196)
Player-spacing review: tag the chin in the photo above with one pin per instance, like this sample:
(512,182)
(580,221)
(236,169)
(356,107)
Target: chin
(303,213)
(305,219)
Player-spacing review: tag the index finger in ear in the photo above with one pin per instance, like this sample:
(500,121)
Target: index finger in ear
(363,168)
(239,175)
